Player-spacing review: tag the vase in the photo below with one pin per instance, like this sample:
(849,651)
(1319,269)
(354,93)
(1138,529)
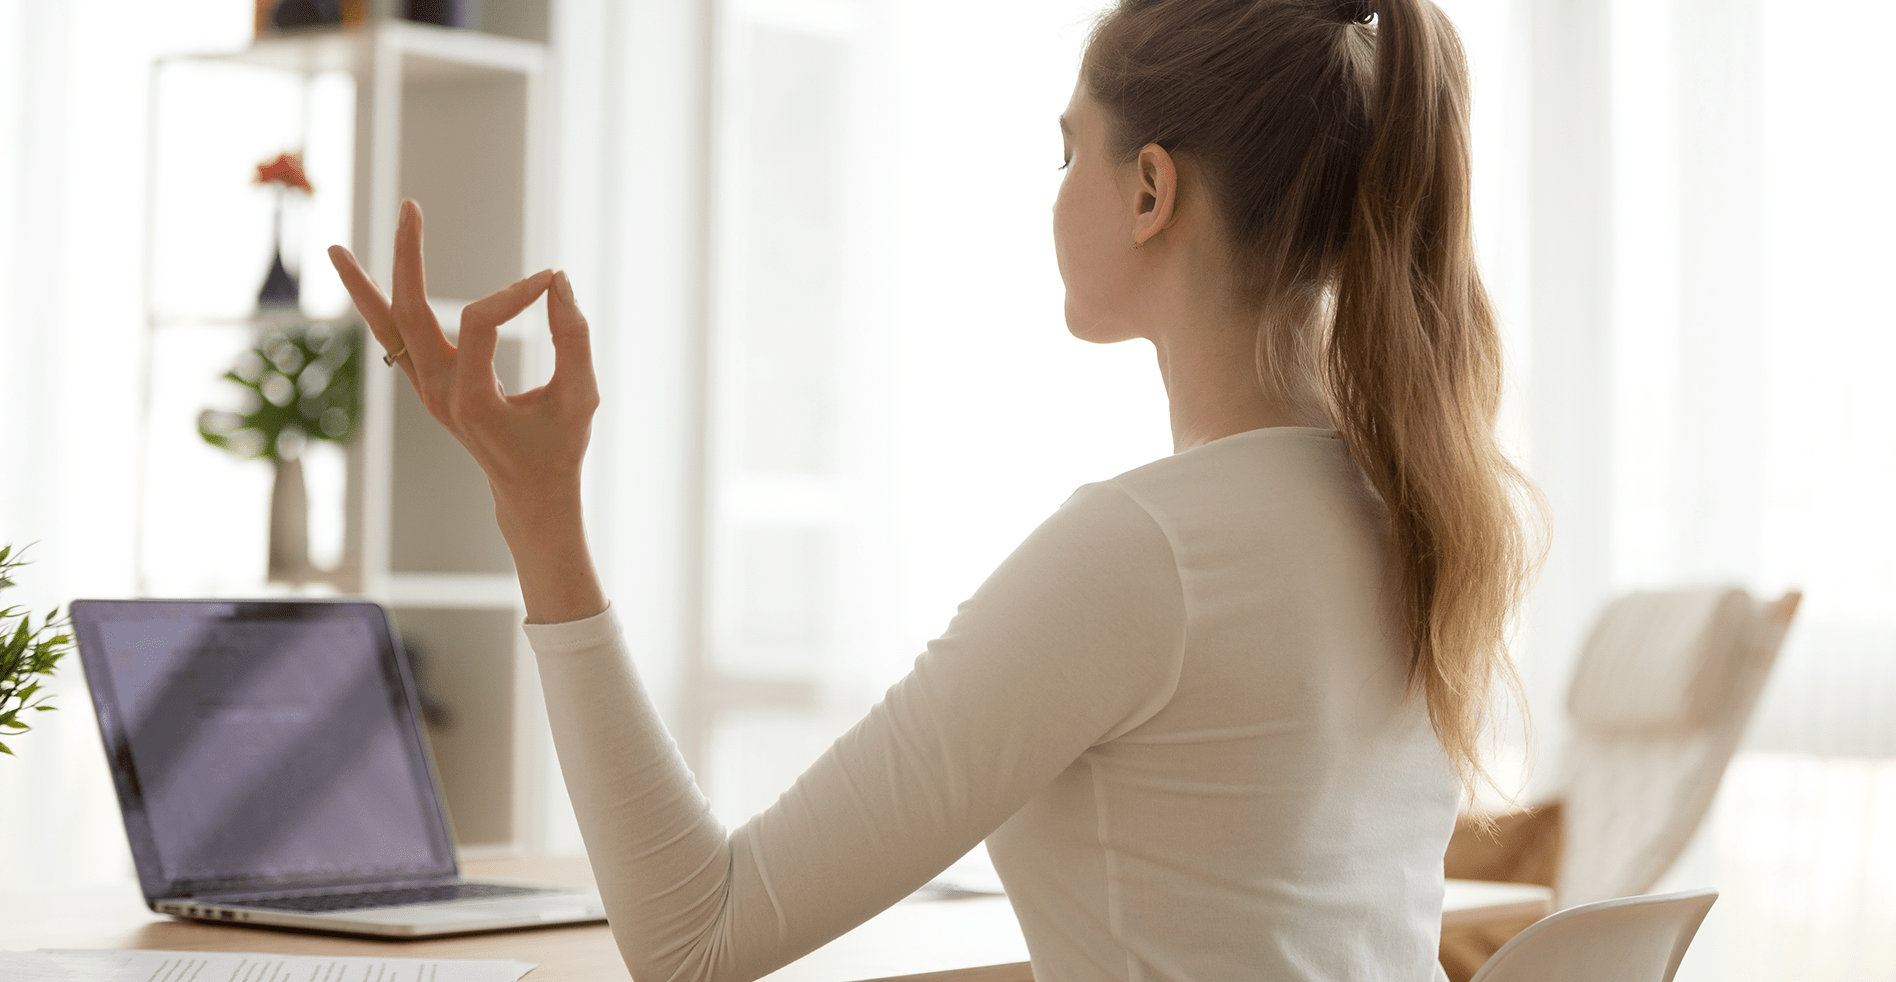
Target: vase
(289,524)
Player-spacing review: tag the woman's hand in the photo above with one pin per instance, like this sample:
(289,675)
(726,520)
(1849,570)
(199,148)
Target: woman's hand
(531,444)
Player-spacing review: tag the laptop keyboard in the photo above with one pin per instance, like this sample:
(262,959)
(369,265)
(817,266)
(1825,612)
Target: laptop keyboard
(327,902)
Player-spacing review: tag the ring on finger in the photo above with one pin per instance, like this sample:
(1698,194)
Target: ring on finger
(390,358)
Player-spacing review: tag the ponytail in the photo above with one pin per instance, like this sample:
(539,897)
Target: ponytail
(1413,370)
(1337,150)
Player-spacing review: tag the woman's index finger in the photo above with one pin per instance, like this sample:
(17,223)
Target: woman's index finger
(371,304)
(368,297)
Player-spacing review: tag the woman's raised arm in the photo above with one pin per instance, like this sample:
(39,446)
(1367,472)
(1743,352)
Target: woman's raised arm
(531,444)
(1077,638)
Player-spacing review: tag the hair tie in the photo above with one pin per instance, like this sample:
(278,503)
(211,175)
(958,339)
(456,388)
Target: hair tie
(1355,11)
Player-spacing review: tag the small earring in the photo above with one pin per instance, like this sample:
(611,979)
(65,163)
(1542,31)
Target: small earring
(1136,243)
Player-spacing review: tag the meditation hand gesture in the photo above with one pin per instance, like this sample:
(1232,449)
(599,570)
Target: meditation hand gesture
(529,444)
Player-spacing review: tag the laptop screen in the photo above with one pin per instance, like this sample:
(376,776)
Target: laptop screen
(262,745)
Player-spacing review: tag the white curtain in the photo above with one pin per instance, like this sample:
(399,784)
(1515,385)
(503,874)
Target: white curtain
(73,79)
(1754,439)
(896,401)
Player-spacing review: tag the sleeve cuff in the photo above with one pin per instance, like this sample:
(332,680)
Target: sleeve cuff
(568,636)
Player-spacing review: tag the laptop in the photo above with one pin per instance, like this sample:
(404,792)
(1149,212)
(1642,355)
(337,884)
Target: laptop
(271,768)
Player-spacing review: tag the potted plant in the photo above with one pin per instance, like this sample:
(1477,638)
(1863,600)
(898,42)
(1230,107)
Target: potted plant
(28,655)
(301,382)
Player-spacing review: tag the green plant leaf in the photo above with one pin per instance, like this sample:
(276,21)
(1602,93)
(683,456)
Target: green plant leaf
(28,654)
(324,363)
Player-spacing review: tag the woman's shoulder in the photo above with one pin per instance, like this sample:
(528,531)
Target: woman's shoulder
(1277,466)
(1270,496)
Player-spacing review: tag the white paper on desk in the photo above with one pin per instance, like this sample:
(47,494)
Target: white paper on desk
(31,966)
(220,966)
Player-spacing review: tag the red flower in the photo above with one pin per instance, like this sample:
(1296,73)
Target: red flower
(287,170)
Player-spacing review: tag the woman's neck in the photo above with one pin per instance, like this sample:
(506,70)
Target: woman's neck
(1212,382)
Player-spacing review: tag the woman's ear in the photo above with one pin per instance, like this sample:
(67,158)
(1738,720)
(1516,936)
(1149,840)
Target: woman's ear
(1155,199)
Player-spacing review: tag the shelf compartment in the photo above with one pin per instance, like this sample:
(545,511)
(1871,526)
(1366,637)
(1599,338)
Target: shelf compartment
(463,157)
(447,52)
(458,590)
(440,509)
(468,660)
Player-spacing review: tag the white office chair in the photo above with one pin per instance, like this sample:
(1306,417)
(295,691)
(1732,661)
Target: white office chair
(1659,701)
(1631,939)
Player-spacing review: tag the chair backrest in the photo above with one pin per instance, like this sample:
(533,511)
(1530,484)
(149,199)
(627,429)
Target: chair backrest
(1660,698)
(1630,939)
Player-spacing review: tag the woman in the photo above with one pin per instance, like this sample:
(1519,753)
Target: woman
(1214,717)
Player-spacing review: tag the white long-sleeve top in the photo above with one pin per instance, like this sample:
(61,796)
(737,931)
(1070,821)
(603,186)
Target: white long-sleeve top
(1177,713)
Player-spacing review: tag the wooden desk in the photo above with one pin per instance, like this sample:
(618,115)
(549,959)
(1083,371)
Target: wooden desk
(971,940)
(117,918)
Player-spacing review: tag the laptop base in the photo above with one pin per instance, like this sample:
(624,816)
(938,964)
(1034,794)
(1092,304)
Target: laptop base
(558,905)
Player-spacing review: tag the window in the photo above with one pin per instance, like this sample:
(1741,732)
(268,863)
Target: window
(895,400)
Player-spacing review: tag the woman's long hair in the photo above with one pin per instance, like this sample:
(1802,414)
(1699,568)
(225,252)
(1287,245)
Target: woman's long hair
(1336,151)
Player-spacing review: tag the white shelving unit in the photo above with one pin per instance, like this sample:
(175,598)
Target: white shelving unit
(453,119)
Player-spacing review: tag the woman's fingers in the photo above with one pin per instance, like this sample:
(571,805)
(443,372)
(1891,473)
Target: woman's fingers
(457,382)
(421,333)
(480,331)
(370,303)
(411,281)
(572,340)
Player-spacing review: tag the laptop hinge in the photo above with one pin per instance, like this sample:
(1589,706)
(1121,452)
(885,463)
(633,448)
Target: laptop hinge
(319,891)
